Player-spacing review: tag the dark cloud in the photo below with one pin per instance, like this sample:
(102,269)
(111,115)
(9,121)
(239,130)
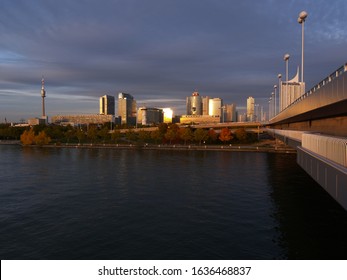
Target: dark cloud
(163,50)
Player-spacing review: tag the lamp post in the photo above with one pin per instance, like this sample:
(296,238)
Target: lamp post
(279,92)
(286,59)
(273,103)
(275,88)
(301,20)
(269,108)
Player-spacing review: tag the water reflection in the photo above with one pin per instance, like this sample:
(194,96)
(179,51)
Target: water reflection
(311,223)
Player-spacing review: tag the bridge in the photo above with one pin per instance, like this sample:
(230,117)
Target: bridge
(316,125)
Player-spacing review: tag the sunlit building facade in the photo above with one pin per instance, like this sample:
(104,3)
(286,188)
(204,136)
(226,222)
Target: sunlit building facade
(290,91)
(168,114)
(215,107)
(149,116)
(107,105)
(205,101)
(194,104)
(250,108)
(127,108)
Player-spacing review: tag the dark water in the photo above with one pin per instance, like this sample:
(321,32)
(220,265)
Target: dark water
(124,204)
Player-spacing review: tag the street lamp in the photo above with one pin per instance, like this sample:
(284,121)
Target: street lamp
(301,19)
(275,87)
(286,59)
(279,92)
(273,103)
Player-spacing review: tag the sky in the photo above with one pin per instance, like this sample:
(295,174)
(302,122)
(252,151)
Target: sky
(159,51)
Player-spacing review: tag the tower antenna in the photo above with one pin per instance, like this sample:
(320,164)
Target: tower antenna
(43,95)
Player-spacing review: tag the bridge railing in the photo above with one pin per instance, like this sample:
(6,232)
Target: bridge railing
(322,83)
(323,93)
(332,148)
(292,134)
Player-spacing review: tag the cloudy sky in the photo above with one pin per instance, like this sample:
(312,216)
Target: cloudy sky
(159,51)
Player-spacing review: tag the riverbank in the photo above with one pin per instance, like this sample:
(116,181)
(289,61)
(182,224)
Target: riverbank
(269,146)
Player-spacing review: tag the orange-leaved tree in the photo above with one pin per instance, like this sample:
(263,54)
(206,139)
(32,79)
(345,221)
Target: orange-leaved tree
(42,139)
(28,137)
(225,135)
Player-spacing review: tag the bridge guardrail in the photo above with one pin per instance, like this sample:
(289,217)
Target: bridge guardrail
(332,148)
(330,90)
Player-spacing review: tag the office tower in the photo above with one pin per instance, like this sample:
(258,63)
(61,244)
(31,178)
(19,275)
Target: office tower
(215,107)
(230,112)
(205,101)
(194,104)
(149,116)
(106,105)
(127,108)
(250,108)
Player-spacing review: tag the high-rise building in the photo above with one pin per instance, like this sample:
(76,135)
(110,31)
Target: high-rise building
(107,105)
(205,101)
(127,108)
(194,104)
(230,112)
(250,108)
(290,91)
(149,116)
(168,114)
(215,107)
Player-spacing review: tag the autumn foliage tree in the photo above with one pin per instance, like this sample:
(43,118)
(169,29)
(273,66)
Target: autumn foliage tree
(241,135)
(28,137)
(225,135)
(212,135)
(42,139)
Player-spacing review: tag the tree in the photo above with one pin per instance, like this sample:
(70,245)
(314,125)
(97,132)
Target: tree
(186,134)
(144,136)
(116,135)
(92,133)
(241,134)
(225,135)
(81,135)
(162,128)
(28,137)
(131,135)
(70,133)
(42,139)
(156,136)
(200,135)
(212,135)
(172,133)
(103,133)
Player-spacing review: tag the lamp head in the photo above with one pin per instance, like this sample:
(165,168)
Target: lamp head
(303,15)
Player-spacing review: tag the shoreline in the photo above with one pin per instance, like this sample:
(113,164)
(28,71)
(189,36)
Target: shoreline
(268,148)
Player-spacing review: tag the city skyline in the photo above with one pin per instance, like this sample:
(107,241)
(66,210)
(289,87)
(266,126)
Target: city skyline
(159,52)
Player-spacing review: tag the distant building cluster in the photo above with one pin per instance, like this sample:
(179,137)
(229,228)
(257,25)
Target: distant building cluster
(199,109)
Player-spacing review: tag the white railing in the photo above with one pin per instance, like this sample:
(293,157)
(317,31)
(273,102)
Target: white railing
(292,134)
(332,148)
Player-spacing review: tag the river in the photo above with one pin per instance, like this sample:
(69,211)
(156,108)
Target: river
(68,203)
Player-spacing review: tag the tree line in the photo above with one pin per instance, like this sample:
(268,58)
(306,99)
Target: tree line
(101,134)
